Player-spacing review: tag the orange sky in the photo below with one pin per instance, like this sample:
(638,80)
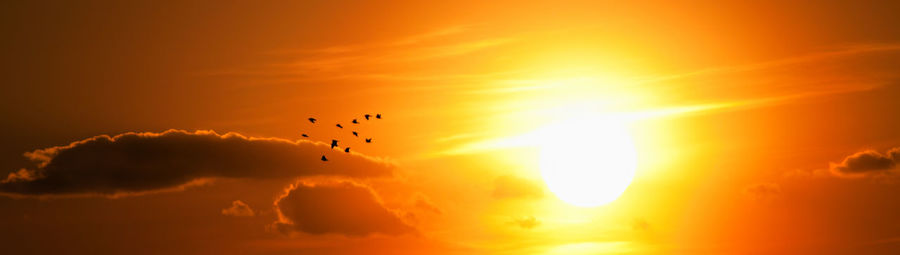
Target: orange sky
(148,127)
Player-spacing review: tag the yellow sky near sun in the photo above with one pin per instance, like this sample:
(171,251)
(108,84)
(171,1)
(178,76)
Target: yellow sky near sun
(717,97)
(475,96)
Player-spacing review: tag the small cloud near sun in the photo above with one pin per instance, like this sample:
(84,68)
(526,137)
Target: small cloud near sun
(512,187)
(527,222)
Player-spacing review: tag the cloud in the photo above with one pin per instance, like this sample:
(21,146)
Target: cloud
(833,55)
(640,224)
(134,163)
(763,191)
(868,162)
(422,202)
(509,186)
(239,209)
(528,222)
(894,154)
(341,208)
(373,60)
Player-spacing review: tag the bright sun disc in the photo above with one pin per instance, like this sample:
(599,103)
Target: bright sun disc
(588,162)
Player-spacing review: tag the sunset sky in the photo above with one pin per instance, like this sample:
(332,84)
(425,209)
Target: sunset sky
(508,127)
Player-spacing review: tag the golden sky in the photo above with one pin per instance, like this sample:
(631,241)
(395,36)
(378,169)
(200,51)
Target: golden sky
(508,127)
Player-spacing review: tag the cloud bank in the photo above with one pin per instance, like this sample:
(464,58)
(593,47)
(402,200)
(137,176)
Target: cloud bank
(133,163)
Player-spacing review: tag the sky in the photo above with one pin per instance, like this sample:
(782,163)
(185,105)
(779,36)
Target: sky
(174,127)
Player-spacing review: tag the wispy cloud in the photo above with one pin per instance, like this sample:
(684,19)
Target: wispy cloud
(786,80)
(845,51)
(385,60)
(365,46)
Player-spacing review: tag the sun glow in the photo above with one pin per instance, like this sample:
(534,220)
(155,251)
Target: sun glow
(587,162)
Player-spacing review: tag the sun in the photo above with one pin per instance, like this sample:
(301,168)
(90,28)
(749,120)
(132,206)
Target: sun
(588,162)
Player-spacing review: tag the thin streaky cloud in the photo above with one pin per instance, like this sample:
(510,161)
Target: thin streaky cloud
(359,64)
(404,41)
(443,32)
(808,58)
(528,139)
(844,51)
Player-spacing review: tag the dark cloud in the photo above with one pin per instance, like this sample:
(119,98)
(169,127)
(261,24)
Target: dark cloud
(509,186)
(894,154)
(867,162)
(528,222)
(763,191)
(238,208)
(144,162)
(342,208)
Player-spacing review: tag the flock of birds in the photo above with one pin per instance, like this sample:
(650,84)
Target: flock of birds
(334,142)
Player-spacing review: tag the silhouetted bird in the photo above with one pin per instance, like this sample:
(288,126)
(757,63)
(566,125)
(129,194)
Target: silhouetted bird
(355,122)
(367,116)
(339,126)
(324,158)
(347,150)
(355,134)
(378,116)
(304,135)
(368,140)
(333,143)
(313,120)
